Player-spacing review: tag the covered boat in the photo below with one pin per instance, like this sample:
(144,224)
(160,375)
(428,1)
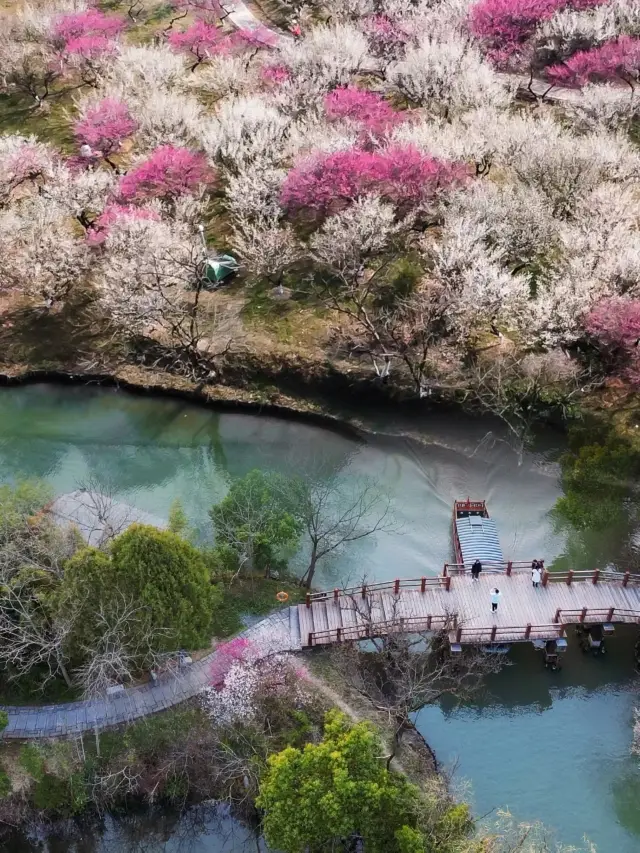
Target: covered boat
(475,535)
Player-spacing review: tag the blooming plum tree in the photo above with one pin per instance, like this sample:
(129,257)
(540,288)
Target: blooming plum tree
(400,174)
(618,59)
(615,325)
(169,173)
(105,126)
(90,22)
(22,159)
(368,109)
(201,40)
(97,233)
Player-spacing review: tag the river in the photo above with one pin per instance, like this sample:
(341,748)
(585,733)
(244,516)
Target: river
(550,746)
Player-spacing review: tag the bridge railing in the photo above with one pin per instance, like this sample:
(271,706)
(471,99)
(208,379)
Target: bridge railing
(496,567)
(593,576)
(508,633)
(423,583)
(596,615)
(371,630)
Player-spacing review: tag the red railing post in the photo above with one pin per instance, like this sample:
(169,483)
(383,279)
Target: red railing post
(307,600)
(396,586)
(569,577)
(364,590)
(509,567)
(444,571)
(336,594)
(527,632)
(494,631)
(625,579)
(338,634)
(447,583)
(596,575)
(583,615)
(458,635)
(310,639)
(545,578)
(429,622)
(556,618)
(423,584)
(610,614)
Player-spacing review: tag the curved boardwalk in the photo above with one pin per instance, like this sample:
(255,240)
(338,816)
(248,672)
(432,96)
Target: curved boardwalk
(273,634)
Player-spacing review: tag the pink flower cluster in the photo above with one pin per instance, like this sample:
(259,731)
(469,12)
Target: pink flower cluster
(505,25)
(168,173)
(618,59)
(386,37)
(105,126)
(368,109)
(400,174)
(87,34)
(615,324)
(204,40)
(97,234)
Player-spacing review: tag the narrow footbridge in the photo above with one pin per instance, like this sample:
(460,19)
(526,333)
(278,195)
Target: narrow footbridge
(455,602)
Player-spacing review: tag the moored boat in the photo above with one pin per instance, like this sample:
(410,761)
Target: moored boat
(475,535)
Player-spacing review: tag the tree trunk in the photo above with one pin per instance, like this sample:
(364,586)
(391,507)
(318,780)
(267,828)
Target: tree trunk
(307,578)
(65,674)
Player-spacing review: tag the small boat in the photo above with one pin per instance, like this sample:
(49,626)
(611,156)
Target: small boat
(475,535)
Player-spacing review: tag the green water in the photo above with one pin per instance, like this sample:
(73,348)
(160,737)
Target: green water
(549,746)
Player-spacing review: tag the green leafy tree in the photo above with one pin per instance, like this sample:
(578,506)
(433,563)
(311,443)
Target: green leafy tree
(328,794)
(4,720)
(178,521)
(256,521)
(169,579)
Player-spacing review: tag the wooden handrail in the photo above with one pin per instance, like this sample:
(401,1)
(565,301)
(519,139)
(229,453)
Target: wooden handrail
(597,614)
(396,585)
(408,624)
(494,632)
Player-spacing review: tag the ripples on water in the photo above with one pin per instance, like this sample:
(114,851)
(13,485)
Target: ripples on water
(549,746)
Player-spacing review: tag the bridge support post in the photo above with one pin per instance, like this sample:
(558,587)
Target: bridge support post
(429,622)
(423,584)
(583,615)
(458,635)
(545,578)
(569,577)
(336,594)
(338,634)
(596,575)
(447,583)
(494,631)
(310,639)
(556,618)
(396,586)
(610,614)
(445,570)
(625,579)
(364,590)
(509,568)
(527,632)
(307,600)
(562,630)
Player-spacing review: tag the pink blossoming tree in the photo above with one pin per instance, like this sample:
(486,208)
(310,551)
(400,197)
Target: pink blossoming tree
(400,174)
(369,109)
(618,59)
(615,325)
(168,173)
(505,25)
(201,40)
(99,230)
(91,22)
(105,126)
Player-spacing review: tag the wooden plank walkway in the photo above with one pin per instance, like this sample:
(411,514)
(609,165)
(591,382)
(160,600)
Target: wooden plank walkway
(463,605)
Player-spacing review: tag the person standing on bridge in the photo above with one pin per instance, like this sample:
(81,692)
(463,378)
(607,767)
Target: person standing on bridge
(476,568)
(495,598)
(536,575)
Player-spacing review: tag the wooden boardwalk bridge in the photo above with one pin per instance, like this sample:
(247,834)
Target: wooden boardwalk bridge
(461,605)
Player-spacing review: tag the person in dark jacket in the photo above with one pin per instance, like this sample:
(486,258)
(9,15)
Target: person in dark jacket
(476,568)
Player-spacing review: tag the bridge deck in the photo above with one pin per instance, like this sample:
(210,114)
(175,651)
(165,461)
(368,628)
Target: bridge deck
(352,615)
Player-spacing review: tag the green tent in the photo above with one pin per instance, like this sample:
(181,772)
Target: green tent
(220,267)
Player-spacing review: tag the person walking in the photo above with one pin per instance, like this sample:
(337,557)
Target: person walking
(495,598)
(476,568)
(536,575)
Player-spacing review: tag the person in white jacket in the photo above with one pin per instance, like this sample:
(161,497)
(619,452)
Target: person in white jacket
(495,598)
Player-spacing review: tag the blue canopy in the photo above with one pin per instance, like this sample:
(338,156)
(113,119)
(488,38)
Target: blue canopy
(478,538)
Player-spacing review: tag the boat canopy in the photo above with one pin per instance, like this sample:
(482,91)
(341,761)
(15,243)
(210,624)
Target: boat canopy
(478,539)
